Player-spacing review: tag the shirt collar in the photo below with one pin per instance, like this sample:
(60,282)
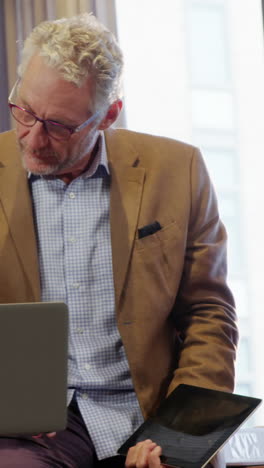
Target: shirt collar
(100,159)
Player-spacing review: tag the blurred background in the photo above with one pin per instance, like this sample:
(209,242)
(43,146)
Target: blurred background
(194,71)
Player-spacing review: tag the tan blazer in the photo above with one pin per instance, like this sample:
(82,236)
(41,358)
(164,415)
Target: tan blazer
(174,311)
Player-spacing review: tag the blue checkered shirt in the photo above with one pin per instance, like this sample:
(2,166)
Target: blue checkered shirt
(75,259)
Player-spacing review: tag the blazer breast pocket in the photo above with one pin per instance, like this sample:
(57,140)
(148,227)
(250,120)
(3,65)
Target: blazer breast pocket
(155,234)
(158,258)
(149,229)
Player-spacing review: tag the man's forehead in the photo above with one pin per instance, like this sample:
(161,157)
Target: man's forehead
(40,71)
(40,82)
(36,65)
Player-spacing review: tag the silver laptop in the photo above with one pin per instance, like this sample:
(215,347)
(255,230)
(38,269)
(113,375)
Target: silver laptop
(33,367)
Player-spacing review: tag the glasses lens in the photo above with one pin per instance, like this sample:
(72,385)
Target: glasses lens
(57,131)
(23,116)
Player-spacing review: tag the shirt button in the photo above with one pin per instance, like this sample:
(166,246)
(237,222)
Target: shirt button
(76,285)
(72,195)
(87,366)
(84,396)
(79,330)
(72,240)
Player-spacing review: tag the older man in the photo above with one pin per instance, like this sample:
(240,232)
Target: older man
(121,226)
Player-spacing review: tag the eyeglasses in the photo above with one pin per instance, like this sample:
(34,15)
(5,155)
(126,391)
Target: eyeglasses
(54,129)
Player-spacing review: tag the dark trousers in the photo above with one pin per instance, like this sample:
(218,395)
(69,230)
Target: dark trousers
(71,448)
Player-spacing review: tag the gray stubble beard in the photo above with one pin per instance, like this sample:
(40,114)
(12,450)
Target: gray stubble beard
(53,170)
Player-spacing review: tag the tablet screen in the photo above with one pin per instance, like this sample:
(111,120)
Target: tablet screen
(193,423)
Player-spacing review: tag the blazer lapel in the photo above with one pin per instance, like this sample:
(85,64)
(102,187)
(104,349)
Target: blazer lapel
(127,183)
(16,202)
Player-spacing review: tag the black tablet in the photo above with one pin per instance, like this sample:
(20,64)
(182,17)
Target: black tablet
(193,423)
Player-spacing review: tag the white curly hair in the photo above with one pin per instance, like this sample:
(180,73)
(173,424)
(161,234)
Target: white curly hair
(79,47)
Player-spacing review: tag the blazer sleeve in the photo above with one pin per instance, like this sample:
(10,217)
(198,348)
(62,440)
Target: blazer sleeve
(204,311)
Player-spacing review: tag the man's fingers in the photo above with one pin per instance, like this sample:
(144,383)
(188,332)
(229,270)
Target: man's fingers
(137,456)
(154,458)
(48,434)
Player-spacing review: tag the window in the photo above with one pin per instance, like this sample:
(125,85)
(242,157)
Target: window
(208,49)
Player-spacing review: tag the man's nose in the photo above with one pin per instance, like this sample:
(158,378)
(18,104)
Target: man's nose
(37,136)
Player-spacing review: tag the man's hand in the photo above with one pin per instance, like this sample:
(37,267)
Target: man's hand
(144,455)
(48,434)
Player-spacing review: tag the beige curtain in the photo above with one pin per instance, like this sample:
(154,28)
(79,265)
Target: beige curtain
(18,18)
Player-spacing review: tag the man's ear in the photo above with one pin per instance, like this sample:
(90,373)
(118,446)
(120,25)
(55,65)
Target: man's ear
(112,115)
